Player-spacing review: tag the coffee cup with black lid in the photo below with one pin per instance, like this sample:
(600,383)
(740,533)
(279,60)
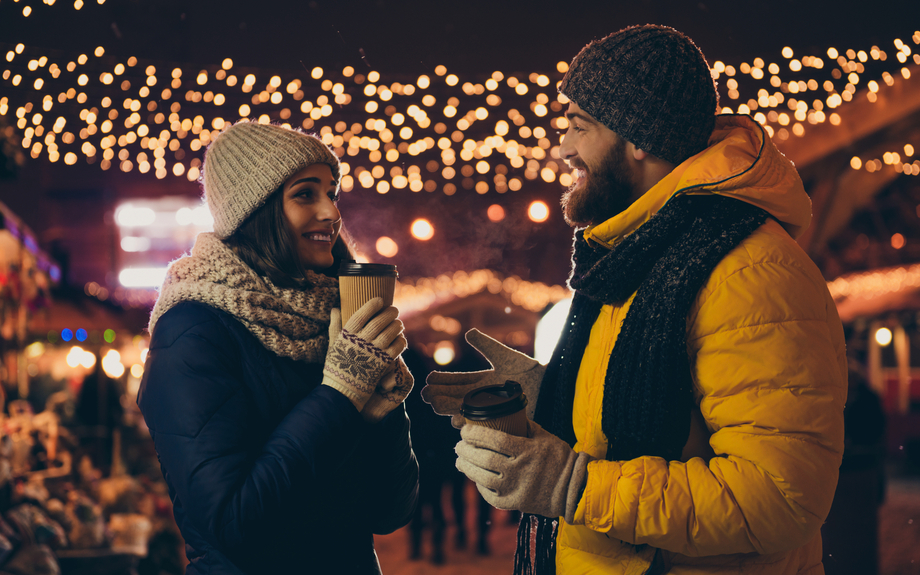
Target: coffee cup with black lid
(500,407)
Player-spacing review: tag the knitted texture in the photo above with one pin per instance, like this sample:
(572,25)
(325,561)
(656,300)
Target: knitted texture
(648,385)
(290,322)
(651,85)
(354,366)
(363,350)
(392,390)
(248,161)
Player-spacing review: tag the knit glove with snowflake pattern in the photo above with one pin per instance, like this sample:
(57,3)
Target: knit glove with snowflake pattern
(392,390)
(363,351)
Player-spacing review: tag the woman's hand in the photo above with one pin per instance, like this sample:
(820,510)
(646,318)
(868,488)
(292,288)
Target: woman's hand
(363,351)
(392,390)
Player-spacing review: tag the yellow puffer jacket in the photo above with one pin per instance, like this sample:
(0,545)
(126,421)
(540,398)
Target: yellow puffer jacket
(769,378)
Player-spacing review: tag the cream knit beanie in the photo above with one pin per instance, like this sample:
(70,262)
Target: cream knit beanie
(248,161)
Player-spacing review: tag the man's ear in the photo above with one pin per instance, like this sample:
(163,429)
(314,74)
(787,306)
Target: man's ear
(636,153)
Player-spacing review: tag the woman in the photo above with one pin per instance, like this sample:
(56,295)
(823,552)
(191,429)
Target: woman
(279,456)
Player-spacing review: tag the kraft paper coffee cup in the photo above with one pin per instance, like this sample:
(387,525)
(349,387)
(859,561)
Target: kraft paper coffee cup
(360,283)
(500,407)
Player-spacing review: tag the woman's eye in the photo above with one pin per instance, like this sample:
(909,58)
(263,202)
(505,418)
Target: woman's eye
(334,197)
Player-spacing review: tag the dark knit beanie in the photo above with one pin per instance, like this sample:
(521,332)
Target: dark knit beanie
(651,85)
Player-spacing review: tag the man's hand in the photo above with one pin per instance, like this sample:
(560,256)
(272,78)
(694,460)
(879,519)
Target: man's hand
(445,390)
(539,474)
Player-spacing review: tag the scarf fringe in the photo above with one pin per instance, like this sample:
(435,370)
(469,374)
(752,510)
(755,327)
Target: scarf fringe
(536,546)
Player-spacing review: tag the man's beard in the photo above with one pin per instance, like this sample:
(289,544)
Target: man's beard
(605,191)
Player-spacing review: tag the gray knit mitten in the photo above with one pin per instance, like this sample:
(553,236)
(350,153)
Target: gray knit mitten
(539,474)
(361,353)
(392,390)
(445,390)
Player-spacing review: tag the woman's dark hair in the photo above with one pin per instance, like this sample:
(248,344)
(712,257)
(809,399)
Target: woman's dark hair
(264,244)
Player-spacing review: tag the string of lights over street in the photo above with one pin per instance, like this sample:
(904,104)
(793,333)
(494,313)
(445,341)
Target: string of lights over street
(442,132)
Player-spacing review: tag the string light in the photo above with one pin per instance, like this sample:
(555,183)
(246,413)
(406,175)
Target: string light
(875,283)
(414,295)
(485,142)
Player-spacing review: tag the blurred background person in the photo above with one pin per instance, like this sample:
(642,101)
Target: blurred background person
(852,527)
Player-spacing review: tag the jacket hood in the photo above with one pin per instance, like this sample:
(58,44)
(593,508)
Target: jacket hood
(740,162)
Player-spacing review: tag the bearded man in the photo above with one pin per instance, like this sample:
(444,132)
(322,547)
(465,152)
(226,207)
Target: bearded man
(691,418)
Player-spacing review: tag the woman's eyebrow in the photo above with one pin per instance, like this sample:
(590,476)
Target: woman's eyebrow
(308,180)
(311,180)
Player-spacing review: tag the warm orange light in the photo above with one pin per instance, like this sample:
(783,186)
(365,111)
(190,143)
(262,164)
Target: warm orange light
(422,229)
(386,247)
(538,211)
(496,213)
(883,336)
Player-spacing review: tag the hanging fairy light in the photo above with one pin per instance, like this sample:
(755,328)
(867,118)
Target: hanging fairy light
(438,132)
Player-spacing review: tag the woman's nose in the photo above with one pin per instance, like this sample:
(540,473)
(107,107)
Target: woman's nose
(328,211)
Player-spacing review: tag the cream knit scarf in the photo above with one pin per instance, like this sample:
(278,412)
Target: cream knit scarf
(291,322)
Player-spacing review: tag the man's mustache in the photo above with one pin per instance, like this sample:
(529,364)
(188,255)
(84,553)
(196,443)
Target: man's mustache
(577,165)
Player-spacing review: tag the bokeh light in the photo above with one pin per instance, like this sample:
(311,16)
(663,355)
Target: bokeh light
(444,353)
(496,213)
(386,247)
(422,229)
(538,211)
(883,336)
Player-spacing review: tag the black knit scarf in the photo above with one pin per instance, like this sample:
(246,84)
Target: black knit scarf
(648,386)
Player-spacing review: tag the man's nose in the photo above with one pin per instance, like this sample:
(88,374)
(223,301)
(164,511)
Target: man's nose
(566,150)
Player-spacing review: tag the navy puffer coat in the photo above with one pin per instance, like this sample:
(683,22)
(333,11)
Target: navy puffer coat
(268,471)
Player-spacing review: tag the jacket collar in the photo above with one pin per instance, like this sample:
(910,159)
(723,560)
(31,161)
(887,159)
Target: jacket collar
(741,162)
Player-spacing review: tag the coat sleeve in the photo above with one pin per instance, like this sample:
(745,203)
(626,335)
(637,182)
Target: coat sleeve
(766,349)
(392,501)
(234,484)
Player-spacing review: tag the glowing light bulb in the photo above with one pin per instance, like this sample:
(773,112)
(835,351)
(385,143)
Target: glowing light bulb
(130,216)
(444,353)
(386,247)
(422,229)
(883,336)
(111,364)
(538,211)
(142,277)
(496,213)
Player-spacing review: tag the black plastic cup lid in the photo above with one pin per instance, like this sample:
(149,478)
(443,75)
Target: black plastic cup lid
(493,401)
(359,269)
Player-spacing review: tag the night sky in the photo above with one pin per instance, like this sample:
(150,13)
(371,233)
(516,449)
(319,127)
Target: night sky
(412,37)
